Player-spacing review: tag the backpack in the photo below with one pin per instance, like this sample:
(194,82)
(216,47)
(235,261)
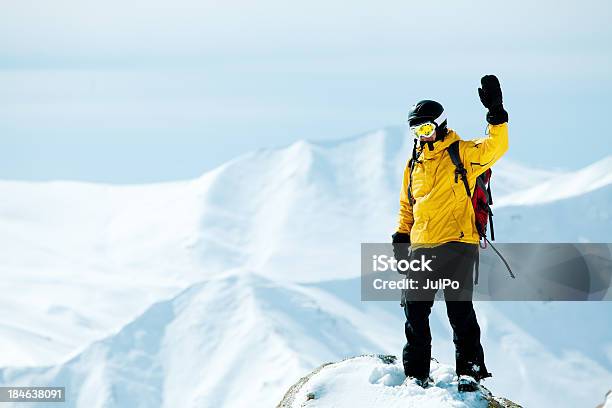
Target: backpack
(481,198)
(481,201)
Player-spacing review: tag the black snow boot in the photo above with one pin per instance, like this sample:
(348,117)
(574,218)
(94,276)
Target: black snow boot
(421,382)
(468,383)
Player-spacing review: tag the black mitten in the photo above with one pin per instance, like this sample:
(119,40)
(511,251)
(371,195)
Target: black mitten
(491,97)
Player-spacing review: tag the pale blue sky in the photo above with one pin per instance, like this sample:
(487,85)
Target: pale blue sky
(139,91)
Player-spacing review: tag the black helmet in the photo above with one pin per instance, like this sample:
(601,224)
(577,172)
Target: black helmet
(428,111)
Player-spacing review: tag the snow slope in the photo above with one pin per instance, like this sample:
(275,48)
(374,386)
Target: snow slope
(562,186)
(82,264)
(232,341)
(240,339)
(608,402)
(368,381)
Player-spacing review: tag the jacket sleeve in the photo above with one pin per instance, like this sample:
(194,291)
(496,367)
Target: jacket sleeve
(481,154)
(405,213)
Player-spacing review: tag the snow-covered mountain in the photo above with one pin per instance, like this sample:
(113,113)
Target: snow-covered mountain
(222,291)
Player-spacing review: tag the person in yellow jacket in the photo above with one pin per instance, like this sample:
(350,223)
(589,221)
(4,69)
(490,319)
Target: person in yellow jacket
(436,220)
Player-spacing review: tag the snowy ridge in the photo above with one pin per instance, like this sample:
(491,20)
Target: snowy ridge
(563,186)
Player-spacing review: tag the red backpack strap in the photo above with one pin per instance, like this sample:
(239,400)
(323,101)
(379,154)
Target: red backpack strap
(490,204)
(460,171)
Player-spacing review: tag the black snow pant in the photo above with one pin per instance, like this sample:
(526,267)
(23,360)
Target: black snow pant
(454,260)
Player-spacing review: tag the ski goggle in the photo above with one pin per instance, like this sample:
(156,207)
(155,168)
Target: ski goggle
(424,130)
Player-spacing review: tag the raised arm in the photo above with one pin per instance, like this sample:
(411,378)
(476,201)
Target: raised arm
(480,154)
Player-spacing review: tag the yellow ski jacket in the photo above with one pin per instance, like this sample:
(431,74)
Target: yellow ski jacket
(442,211)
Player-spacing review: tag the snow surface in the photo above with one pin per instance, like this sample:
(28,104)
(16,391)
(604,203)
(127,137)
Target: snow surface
(368,382)
(226,289)
(608,402)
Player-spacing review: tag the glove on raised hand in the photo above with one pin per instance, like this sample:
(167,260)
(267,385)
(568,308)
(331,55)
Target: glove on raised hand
(491,97)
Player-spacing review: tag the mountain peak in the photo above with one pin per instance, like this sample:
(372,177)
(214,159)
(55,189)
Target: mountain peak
(369,381)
